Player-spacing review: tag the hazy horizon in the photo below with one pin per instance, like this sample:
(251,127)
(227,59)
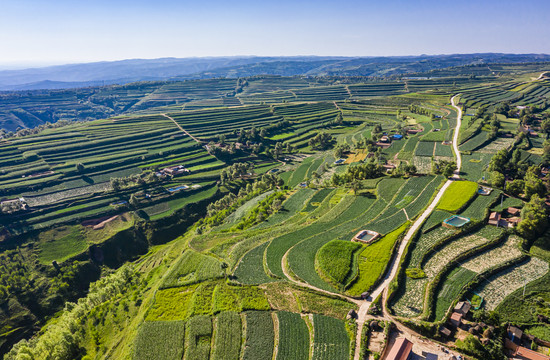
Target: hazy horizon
(37,34)
(38,65)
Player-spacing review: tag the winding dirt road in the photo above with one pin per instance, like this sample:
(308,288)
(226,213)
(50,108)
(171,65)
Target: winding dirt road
(455,136)
(182,129)
(394,265)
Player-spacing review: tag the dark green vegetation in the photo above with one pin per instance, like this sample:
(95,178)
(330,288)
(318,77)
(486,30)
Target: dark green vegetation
(331,338)
(220,254)
(260,336)
(293,337)
(335,260)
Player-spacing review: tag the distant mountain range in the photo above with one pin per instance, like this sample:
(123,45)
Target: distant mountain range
(126,71)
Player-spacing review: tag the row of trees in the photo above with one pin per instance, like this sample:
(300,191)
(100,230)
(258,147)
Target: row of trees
(443,167)
(321,141)
(415,109)
(219,210)
(63,339)
(20,132)
(236,171)
(141,179)
(272,204)
(368,170)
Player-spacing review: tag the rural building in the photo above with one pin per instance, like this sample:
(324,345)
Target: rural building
(463,308)
(413,131)
(494,218)
(383,145)
(13,205)
(397,136)
(401,350)
(175,170)
(429,356)
(520,352)
(515,334)
(445,331)
(513,221)
(513,211)
(366,236)
(385,139)
(456,319)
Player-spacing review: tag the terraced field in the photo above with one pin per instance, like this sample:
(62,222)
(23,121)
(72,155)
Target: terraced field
(502,284)
(410,302)
(281,286)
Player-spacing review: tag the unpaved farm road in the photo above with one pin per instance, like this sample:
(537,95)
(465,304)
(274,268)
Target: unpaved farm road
(182,129)
(394,265)
(455,136)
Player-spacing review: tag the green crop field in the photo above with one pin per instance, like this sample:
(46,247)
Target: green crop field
(207,219)
(335,260)
(198,337)
(293,337)
(478,208)
(331,341)
(373,260)
(457,195)
(250,270)
(63,247)
(160,340)
(227,339)
(450,289)
(192,268)
(260,335)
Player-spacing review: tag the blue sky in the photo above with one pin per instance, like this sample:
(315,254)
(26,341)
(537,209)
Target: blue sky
(60,31)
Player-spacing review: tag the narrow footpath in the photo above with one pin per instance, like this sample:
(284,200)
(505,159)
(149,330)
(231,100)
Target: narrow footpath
(182,129)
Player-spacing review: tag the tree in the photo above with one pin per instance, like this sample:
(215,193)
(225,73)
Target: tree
(445,168)
(80,167)
(356,186)
(449,169)
(533,184)
(497,179)
(533,218)
(116,184)
(339,119)
(545,127)
(515,187)
(498,161)
(278,151)
(134,201)
(321,141)
(288,148)
(546,152)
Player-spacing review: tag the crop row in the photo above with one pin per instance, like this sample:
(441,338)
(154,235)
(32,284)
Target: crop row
(502,284)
